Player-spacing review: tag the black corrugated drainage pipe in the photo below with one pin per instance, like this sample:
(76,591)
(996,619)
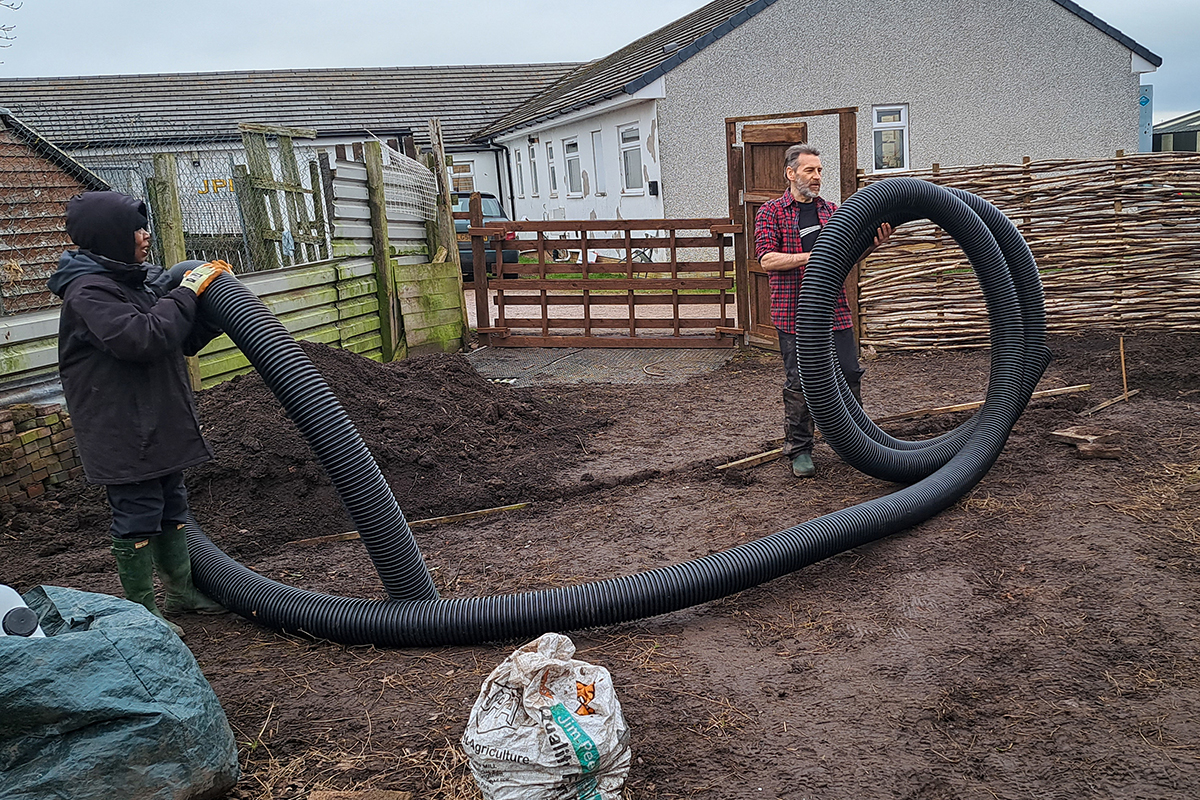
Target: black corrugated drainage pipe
(944,468)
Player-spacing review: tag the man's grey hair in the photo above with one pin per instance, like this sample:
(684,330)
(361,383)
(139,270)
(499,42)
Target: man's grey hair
(792,156)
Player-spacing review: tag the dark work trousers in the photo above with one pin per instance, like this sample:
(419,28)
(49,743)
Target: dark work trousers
(797,422)
(143,508)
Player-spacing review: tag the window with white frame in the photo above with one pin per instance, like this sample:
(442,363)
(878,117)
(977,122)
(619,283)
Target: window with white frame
(889,126)
(598,163)
(462,176)
(533,178)
(551,169)
(630,139)
(520,174)
(574,173)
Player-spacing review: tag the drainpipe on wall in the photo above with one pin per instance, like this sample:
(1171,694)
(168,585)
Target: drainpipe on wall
(512,198)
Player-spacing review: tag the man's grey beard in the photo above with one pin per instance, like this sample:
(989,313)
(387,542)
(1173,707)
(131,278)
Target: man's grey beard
(804,190)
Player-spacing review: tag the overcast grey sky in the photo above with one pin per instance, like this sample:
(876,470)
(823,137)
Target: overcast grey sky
(97,37)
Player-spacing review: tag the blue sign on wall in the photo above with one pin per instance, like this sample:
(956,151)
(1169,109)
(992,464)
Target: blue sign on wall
(1146,120)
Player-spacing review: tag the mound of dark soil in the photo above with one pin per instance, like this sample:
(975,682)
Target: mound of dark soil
(446,440)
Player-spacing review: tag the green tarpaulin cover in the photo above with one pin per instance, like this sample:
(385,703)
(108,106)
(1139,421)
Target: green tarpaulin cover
(110,705)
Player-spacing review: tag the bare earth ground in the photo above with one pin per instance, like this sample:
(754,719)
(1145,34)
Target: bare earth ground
(1038,639)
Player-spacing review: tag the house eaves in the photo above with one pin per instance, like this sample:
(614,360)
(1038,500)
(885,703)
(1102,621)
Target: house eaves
(639,64)
(51,153)
(1105,28)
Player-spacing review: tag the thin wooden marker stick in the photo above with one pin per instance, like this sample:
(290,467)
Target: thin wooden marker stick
(1124,381)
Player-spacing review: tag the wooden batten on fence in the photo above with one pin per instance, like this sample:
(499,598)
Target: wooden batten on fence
(446,236)
(390,329)
(168,227)
(1117,242)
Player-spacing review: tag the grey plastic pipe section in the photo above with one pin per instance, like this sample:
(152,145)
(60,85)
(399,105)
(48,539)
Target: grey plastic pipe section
(943,468)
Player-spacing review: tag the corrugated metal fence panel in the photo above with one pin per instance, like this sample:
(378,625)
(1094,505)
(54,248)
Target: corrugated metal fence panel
(334,303)
(431,303)
(328,302)
(28,347)
(352,219)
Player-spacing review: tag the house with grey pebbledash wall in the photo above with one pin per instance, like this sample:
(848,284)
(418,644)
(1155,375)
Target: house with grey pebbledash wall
(641,132)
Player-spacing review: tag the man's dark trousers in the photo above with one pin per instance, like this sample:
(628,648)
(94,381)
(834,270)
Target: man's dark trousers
(797,422)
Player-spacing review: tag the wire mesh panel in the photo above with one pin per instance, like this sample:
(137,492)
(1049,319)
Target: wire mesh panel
(280,199)
(410,189)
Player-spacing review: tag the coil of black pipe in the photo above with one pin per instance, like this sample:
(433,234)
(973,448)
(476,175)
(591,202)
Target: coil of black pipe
(944,468)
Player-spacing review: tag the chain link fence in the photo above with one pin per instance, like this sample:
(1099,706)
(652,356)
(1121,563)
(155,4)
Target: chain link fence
(254,201)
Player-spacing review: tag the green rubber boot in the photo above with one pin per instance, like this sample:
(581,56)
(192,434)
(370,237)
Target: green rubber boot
(135,567)
(174,565)
(802,466)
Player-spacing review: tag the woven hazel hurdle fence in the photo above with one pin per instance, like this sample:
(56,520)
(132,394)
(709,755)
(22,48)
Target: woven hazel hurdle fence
(1117,242)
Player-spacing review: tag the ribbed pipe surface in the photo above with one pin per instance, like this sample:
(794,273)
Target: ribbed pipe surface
(943,468)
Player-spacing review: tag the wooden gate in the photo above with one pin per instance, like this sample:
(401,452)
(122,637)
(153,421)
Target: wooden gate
(756,176)
(605,283)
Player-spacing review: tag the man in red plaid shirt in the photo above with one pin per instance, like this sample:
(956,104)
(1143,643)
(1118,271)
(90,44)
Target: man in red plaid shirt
(785,231)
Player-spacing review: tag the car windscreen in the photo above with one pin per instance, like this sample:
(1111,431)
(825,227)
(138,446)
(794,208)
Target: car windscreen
(491,206)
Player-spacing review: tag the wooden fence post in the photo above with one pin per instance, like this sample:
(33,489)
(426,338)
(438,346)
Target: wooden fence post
(483,315)
(445,224)
(743,239)
(318,223)
(848,173)
(390,326)
(168,227)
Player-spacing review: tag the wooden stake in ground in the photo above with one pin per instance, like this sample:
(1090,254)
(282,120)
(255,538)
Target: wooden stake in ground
(753,461)
(771,455)
(1124,380)
(930,412)
(417,523)
(1125,397)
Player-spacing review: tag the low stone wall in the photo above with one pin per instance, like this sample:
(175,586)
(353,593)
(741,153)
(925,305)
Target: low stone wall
(37,450)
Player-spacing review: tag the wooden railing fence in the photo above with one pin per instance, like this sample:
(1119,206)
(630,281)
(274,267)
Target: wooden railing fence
(1117,242)
(684,298)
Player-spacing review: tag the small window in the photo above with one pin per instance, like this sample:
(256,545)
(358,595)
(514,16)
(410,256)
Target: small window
(630,139)
(520,175)
(574,173)
(533,178)
(598,176)
(890,129)
(462,176)
(551,168)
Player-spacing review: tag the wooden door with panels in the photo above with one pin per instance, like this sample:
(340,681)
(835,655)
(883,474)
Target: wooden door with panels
(756,176)
(763,149)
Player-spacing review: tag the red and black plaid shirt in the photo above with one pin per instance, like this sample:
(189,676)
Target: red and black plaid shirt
(777,230)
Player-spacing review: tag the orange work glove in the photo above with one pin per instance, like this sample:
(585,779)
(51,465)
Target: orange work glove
(199,279)
(221,265)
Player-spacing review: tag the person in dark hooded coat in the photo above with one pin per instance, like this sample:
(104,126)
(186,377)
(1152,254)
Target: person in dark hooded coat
(124,329)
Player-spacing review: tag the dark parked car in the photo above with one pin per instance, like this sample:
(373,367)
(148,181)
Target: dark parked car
(492,212)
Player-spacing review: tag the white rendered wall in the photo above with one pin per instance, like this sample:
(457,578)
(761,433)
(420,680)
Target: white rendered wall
(985,82)
(613,202)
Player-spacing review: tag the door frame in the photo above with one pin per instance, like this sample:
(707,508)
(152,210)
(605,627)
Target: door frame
(848,174)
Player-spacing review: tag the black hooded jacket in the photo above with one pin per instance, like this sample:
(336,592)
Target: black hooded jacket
(123,334)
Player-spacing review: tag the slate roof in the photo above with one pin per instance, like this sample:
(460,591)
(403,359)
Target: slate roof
(637,65)
(1183,124)
(113,110)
